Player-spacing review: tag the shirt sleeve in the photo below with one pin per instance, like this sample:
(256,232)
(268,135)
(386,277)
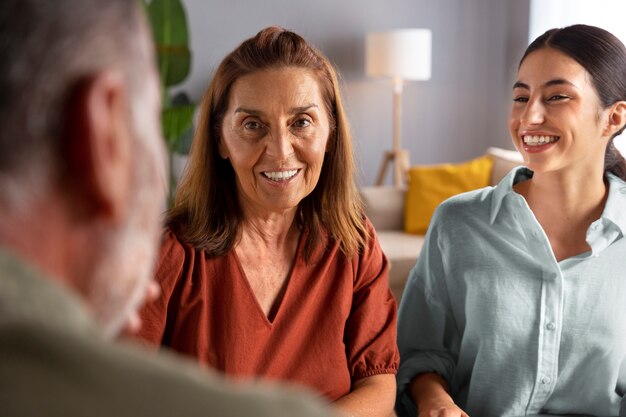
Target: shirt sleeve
(370,334)
(170,269)
(428,336)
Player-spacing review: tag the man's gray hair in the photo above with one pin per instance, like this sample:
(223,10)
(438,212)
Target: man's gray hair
(47,48)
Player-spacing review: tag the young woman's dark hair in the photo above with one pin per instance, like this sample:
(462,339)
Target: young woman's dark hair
(604,57)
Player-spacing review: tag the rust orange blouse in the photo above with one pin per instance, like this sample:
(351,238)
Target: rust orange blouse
(335,324)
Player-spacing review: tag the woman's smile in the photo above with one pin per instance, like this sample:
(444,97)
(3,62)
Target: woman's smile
(535,143)
(281,176)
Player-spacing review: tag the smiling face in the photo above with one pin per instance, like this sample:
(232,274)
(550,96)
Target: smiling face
(274,133)
(556,120)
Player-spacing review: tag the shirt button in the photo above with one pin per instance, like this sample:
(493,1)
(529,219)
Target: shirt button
(545,380)
(551,326)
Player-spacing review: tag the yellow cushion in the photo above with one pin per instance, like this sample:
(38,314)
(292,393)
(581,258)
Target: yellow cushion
(429,185)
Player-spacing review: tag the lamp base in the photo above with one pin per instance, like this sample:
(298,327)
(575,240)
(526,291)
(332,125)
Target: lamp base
(400,161)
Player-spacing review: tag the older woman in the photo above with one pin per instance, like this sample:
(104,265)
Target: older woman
(268,267)
(516,305)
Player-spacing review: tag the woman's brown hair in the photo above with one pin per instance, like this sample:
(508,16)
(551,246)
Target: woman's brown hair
(206,211)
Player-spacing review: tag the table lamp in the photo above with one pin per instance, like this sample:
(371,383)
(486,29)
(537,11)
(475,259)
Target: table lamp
(403,54)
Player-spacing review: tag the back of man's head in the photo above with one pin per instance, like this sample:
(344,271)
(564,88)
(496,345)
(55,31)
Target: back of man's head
(46,49)
(81,160)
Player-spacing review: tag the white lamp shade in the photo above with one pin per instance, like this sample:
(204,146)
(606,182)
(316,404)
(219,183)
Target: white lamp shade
(404,53)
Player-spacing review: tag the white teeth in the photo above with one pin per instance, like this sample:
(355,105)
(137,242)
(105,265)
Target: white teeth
(280,175)
(539,140)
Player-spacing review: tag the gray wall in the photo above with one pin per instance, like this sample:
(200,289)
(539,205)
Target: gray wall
(451,118)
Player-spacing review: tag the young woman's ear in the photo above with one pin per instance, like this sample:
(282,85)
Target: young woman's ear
(617,118)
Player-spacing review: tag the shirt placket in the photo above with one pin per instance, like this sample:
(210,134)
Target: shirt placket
(550,323)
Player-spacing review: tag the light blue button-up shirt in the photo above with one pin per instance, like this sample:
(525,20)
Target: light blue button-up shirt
(513,331)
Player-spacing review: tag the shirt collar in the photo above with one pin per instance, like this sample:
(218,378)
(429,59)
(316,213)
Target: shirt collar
(615,207)
(505,187)
(609,227)
(612,223)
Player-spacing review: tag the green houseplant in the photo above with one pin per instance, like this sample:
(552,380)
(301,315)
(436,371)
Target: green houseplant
(169,29)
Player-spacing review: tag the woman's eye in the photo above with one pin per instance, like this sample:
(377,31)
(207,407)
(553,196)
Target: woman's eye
(520,99)
(300,123)
(557,97)
(252,125)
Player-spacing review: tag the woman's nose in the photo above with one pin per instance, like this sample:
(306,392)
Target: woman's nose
(533,113)
(279,144)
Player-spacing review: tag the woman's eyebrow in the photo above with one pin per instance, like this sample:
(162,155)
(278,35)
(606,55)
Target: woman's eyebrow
(298,109)
(248,111)
(301,109)
(556,81)
(559,81)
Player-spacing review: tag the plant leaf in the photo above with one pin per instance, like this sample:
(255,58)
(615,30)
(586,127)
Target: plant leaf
(176,121)
(169,28)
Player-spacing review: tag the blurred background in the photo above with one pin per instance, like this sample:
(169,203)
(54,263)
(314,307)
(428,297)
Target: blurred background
(454,116)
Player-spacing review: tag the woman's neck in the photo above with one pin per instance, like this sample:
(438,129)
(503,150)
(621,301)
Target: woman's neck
(572,195)
(273,232)
(565,204)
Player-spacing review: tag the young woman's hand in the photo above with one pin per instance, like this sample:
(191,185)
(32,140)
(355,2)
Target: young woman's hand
(440,407)
(429,392)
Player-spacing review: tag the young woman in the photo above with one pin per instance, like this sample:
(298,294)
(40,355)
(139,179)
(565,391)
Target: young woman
(516,305)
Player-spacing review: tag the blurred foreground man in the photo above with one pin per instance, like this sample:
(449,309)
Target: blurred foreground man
(82,185)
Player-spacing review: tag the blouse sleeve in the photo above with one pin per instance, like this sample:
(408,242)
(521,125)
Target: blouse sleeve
(370,334)
(156,315)
(428,336)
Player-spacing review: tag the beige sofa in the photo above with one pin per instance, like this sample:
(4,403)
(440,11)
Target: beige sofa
(385,208)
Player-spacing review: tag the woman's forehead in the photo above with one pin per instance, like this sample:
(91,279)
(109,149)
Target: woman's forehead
(285,87)
(547,65)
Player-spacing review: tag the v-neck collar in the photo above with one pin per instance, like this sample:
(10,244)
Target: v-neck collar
(276,308)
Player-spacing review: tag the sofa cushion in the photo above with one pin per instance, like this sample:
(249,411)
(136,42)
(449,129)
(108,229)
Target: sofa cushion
(504,161)
(429,185)
(402,250)
(384,206)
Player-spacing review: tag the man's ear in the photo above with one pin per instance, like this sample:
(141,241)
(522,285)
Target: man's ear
(617,118)
(98,145)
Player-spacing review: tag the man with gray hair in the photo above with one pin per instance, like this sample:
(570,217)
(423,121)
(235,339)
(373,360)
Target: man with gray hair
(82,186)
